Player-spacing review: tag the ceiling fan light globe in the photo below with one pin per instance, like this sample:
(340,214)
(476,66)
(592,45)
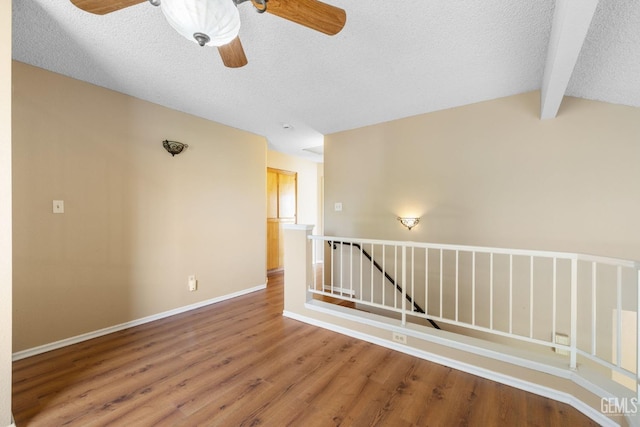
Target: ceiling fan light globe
(217,19)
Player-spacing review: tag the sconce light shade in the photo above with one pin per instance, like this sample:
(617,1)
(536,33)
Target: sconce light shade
(173,147)
(409,222)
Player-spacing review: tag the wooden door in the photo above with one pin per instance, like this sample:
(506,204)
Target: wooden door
(281,209)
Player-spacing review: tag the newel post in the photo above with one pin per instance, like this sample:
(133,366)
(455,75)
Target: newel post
(298,265)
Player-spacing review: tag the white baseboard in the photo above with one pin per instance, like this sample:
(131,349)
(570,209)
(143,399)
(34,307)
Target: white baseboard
(465,367)
(94,334)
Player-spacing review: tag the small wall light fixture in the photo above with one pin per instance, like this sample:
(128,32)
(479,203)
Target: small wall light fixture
(174,147)
(409,222)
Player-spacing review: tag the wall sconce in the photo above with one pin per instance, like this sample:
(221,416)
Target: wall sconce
(409,222)
(174,147)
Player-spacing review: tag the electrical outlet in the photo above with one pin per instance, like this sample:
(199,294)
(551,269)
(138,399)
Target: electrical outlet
(193,283)
(398,337)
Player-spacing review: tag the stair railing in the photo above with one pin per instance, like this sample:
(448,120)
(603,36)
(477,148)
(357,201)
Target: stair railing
(574,304)
(416,307)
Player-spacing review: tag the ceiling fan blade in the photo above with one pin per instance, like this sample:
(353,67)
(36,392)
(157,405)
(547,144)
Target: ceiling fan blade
(310,13)
(232,54)
(102,7)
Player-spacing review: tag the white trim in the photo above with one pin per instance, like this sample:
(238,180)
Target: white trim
(111,329)
(552,366)
(305,227)
(464,367)
(482,249)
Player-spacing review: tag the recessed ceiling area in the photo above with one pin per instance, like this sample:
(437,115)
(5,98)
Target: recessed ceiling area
(392,60)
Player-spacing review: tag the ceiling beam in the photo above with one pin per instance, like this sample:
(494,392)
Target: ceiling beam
(571,21)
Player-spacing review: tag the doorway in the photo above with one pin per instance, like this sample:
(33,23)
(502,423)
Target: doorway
(282,190)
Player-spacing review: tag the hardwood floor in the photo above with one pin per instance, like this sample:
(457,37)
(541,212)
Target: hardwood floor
(240,363)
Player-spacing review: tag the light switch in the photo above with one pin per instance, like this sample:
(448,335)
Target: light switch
(193,283)
(58,206)
(337,207)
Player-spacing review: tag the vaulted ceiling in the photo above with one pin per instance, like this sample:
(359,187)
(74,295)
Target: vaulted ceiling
(393,59)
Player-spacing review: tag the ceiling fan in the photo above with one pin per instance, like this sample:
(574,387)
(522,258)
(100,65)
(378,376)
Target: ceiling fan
(217,22)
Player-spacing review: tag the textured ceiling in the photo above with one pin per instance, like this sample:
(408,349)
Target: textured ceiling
(393,59)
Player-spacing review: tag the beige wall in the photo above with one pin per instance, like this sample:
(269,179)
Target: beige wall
(493,174)
(137,221)
(5,213)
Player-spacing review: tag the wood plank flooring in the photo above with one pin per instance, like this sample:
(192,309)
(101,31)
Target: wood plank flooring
(240,363)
